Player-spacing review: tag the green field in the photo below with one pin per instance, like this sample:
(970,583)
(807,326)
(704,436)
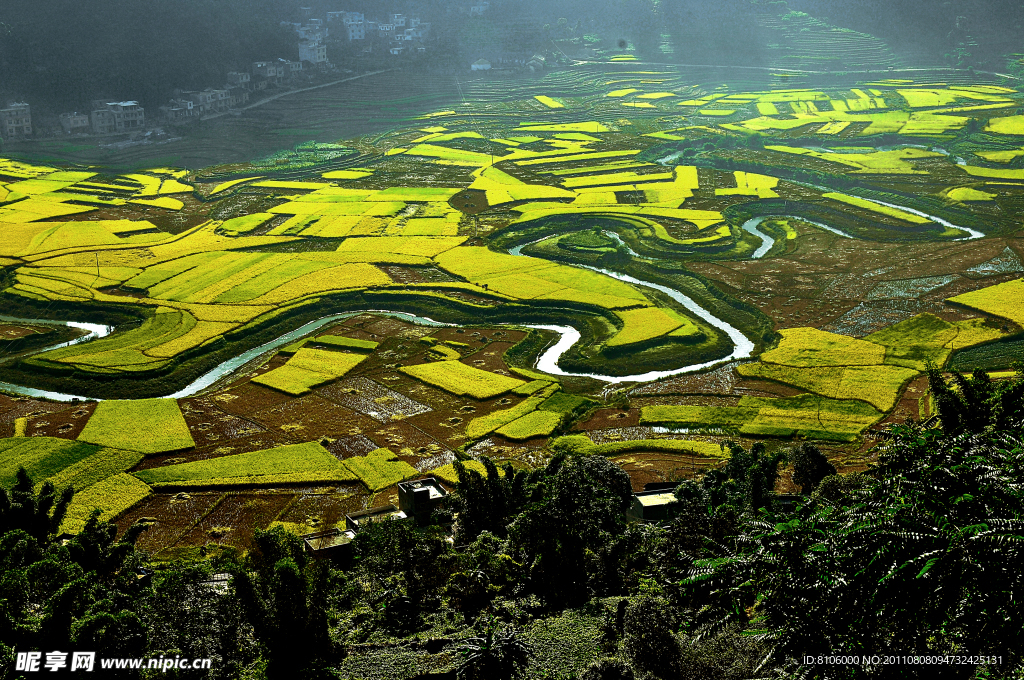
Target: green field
(43,457)
(145,425)
(111,496)
(460,379)
(293,464)
(534,424)
(379,469)
(309,368)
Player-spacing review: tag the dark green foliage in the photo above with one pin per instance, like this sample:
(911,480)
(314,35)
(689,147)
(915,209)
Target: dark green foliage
(970,405)
(586,239)
(79,594)
(923,561)
(38,515)
(608,669)
(746,481)
(578,507)
(648,641)
(498,653)
(283,596)
(810,466)
(488,503)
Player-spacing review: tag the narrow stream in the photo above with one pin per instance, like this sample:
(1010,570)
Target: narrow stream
(220,371)
(743,347)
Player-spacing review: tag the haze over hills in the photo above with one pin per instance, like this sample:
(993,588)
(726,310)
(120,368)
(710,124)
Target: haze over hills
(62,54)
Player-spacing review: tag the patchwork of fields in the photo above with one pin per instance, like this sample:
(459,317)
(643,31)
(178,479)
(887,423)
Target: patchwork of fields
(426,263)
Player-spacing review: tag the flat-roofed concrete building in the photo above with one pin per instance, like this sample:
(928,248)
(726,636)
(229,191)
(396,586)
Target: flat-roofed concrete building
(420,497)
(313,51)
(113,117)
(360,520)
(329,543)
(75,123)
(655,505)
(16,120)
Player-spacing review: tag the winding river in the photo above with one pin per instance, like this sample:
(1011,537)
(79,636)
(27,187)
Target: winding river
(743,347)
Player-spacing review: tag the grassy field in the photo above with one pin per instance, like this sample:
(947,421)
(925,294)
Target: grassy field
(1001,300)
(534,424)
(309,368)
(423,211)
(812,347)
(926,339)
(811,416)
(478,427)
(460,379)
(42,457)
(295,464)
(110,497)
(146,425)
(875,207)
(379,469)
(877,385)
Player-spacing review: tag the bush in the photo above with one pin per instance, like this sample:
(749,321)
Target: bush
(608,669)
(810,466)
(648,641)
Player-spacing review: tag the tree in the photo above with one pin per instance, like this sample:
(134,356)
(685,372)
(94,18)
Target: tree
(577,509)
(80,593)
(648,642)
(923,561)
(810,466)
(38,515)
(283,595)
(487,503)
(608,669)
(495,654)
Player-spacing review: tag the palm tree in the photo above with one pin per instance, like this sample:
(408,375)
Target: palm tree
(497,654)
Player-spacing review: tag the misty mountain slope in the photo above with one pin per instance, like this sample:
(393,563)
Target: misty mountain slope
(801,41)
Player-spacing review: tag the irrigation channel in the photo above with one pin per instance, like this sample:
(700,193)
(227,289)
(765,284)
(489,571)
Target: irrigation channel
(743,347)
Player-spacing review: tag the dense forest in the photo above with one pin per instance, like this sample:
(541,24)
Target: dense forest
(917,557)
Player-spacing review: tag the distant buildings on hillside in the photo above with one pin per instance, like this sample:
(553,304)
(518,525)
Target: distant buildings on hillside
(399,32)
(105,117)
(16,121)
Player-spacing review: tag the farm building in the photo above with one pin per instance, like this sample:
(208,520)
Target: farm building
(328,543)
(419,498)
(358,520)
(652,505)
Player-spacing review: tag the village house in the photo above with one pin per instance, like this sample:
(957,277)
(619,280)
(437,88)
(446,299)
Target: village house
(359,520)
(177,109)
(653,505)
(75,123)
(267,73)
(16,120)
(239,79)
(208,101)
(313,52)
(116,117)
(419,498)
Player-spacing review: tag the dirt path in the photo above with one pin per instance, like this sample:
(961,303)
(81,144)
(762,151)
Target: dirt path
(285,94)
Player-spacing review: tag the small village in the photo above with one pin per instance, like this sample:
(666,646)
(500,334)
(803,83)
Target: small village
(375,42)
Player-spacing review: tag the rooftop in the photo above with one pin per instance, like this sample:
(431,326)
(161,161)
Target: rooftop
(658,497)
(325,540)
(436,490)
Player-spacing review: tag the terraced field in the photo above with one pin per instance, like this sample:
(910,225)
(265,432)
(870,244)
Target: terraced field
(345,315)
